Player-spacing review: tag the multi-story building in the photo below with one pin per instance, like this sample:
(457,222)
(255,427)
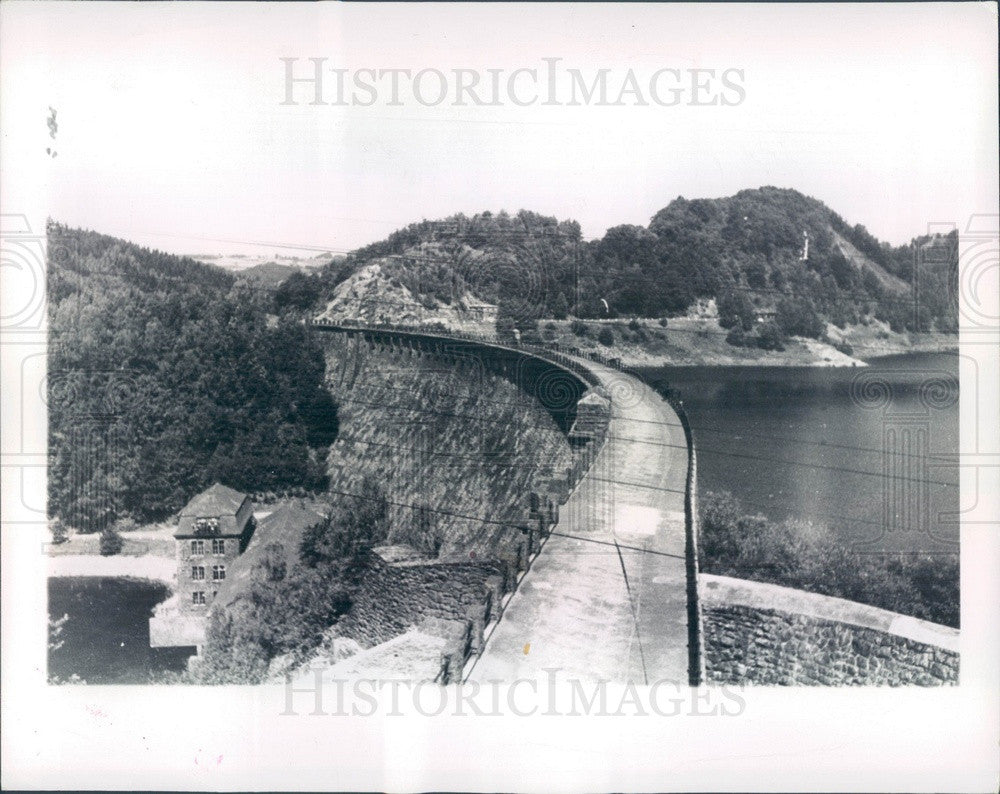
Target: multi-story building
(213,530)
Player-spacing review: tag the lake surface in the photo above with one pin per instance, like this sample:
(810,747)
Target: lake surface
(869,452)
(106,637)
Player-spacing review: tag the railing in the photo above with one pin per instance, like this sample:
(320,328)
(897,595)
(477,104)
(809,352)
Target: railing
(560,355)
(553,356)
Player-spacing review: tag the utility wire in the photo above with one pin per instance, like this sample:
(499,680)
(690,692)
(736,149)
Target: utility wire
(943,456)
(700,450)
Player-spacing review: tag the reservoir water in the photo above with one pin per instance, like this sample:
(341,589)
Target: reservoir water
(105,638)
(869,452)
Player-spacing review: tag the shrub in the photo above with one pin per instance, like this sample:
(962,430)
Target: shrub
(844,347)
(606,337)
(798,317)
(737,337)
(769,337)
(59,532)
(111,542)
(663,322)
(796,554)
(579,327)
(735,308)
(634,325)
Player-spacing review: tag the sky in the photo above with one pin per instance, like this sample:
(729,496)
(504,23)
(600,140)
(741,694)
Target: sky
(172,132)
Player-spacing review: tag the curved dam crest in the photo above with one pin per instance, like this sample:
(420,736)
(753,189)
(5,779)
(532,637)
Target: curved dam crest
(610,598)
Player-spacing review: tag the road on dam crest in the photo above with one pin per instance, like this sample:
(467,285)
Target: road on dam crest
(614,609)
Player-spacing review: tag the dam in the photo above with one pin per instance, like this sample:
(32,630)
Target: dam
(611,595)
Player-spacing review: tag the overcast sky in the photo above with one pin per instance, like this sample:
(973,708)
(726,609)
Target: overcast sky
(171,130)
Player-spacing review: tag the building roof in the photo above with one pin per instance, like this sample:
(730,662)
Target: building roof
(401,554)
(283,527)
(218,500)
(291,518)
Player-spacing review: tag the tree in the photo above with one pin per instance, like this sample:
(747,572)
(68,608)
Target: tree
(298,292)
(349,530)
(735,308)
(756,272)
(111,542)
(196,380)
(809,557)
(606,336)
(59,532)
(769,336)
(798,317)
(560,306)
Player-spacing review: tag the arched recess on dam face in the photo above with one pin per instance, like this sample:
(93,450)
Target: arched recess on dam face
(557,388)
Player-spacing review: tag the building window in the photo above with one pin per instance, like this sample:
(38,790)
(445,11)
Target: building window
(198,598)
(218,572)
(206,525)
(197,571)
(218,546)
(197,548)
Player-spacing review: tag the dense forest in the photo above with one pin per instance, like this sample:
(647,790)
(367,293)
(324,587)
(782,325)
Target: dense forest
(166,375)
(747,251)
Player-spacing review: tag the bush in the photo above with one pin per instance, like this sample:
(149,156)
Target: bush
(59,532)
(798,317)
(844,347)
(111,542)
(735,308)
(737,337)
(634,325)
(804,556)
(663,322)
(579,327)
(769,337)
(606,337)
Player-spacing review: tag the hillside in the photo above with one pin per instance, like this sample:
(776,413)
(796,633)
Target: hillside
(778,264)
(165,375)
(268,269)
(374,296)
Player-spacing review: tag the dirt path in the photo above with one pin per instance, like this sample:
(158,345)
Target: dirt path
(609,603)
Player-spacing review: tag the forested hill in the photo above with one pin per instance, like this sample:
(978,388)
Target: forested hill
(747,251)
(166,375)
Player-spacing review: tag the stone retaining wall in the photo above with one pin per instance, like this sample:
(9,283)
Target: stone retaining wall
(393,598)
(744,645)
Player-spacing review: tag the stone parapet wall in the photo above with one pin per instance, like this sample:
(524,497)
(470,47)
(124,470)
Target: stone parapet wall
(746,645)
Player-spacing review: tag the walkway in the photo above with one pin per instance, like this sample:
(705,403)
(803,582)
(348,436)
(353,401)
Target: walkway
(609,603)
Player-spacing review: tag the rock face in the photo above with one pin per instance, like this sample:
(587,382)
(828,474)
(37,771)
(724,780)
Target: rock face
(744,645)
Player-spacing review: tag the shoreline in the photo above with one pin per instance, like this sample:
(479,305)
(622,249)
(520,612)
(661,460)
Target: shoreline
(152,567)
(702,342)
